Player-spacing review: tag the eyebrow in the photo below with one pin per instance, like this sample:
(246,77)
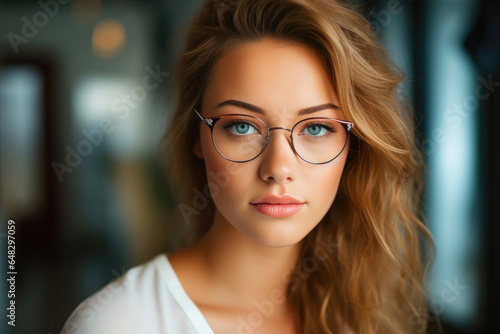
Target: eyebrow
(259,110)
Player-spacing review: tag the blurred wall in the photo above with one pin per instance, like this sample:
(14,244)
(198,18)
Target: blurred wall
(99,202)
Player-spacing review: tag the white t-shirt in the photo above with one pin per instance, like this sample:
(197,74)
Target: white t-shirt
(148,299)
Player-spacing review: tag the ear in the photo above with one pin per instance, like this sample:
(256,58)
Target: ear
(197,150)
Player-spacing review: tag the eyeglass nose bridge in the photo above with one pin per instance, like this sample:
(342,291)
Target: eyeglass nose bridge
(279,128)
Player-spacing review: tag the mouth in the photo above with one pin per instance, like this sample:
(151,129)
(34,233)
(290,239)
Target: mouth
(278,206)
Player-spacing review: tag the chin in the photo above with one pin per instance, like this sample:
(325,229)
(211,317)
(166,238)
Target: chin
(280,235)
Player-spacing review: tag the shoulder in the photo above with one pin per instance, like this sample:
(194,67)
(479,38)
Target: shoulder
(131,304)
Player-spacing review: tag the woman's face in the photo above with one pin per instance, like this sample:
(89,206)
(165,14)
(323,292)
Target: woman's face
(277,198)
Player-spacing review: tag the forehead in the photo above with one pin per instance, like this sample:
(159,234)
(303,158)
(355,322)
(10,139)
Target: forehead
(280,77)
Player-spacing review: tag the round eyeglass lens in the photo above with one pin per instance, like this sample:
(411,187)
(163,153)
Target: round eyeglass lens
(239,138)
(319,140)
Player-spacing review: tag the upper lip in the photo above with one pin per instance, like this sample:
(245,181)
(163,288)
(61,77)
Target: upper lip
(274,199)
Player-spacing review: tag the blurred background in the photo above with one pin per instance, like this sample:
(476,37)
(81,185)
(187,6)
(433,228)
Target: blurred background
(84,101)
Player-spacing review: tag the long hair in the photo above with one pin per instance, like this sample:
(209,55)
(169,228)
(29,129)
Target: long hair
(372,279)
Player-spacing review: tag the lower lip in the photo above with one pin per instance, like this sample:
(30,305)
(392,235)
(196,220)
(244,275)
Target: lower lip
(278,210)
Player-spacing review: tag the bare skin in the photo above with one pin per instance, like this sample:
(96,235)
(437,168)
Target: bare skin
(225,292)
(238,269)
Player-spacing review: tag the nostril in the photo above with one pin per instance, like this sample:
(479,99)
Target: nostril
(273,179)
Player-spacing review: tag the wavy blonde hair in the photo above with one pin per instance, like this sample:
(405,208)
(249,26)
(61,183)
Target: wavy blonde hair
(372,281)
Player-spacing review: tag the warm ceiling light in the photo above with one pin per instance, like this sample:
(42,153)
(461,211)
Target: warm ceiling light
(108,38)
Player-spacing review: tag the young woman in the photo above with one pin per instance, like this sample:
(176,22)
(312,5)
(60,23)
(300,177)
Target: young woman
(297,170)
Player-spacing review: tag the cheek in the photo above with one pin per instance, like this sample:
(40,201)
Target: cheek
(223,176)
(322,183)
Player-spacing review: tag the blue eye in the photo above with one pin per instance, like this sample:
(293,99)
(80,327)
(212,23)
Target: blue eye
(315,130)
(241,128)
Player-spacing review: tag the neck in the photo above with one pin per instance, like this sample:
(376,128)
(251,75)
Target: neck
(241,269)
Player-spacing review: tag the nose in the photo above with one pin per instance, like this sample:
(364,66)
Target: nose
(278,162)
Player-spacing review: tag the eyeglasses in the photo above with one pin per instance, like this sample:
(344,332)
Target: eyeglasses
(242,138)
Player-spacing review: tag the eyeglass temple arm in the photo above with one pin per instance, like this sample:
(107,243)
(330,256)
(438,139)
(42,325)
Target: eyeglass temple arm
(197,113)
(209,122)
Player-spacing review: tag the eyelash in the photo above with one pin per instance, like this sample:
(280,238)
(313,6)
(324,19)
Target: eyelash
(244,121)
(324,125)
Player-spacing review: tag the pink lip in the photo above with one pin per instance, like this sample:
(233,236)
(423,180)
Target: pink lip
(278,206)
(278,210)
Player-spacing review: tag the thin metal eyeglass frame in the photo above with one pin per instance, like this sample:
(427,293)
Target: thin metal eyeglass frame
(210,122)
